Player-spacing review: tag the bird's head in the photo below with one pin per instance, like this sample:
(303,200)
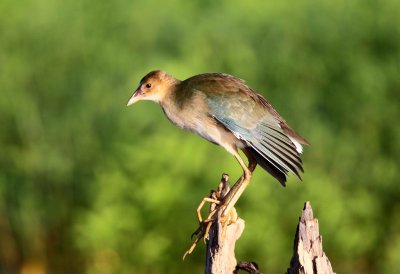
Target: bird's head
(153,87)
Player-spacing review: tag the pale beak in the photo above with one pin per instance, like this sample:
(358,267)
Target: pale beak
(133,99)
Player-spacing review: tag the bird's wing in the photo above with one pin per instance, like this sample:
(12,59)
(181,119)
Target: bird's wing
(252,119)
(269,141)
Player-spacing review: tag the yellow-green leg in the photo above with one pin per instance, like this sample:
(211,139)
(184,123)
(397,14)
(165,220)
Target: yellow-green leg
(238,188)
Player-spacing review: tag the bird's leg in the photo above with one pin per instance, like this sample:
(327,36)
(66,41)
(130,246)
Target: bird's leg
(238,188)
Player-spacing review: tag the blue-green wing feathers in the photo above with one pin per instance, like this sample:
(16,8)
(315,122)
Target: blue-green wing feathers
(253,120)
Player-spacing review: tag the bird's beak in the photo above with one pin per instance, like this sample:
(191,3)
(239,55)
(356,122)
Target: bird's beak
(135,97)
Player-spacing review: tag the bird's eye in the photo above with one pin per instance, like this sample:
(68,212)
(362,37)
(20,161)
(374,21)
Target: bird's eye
(148,85)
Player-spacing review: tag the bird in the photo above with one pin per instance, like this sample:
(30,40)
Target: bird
(224,110)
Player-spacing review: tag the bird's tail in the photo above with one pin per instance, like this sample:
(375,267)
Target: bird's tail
(265,164)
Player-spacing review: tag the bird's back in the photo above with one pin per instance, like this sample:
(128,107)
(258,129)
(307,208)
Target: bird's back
(230,96)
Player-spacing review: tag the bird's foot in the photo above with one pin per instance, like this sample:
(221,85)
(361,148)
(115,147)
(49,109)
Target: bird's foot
(204,225)
(217,212)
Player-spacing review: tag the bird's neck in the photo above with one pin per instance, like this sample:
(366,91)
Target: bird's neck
(166,95)
(173,104)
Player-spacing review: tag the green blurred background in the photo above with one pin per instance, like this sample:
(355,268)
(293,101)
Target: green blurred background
(90,186)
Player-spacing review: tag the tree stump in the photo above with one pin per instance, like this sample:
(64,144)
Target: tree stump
(309,257)
(220,245)
(220,248)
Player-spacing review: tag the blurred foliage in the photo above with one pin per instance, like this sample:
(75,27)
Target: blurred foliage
(90,186)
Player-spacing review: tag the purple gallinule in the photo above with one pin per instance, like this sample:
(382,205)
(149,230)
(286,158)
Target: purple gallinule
(224,110)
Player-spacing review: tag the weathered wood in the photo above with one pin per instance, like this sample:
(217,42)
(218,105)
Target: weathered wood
(309,257)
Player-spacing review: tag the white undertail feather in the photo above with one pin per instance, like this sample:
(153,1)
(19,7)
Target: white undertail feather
(299,147)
